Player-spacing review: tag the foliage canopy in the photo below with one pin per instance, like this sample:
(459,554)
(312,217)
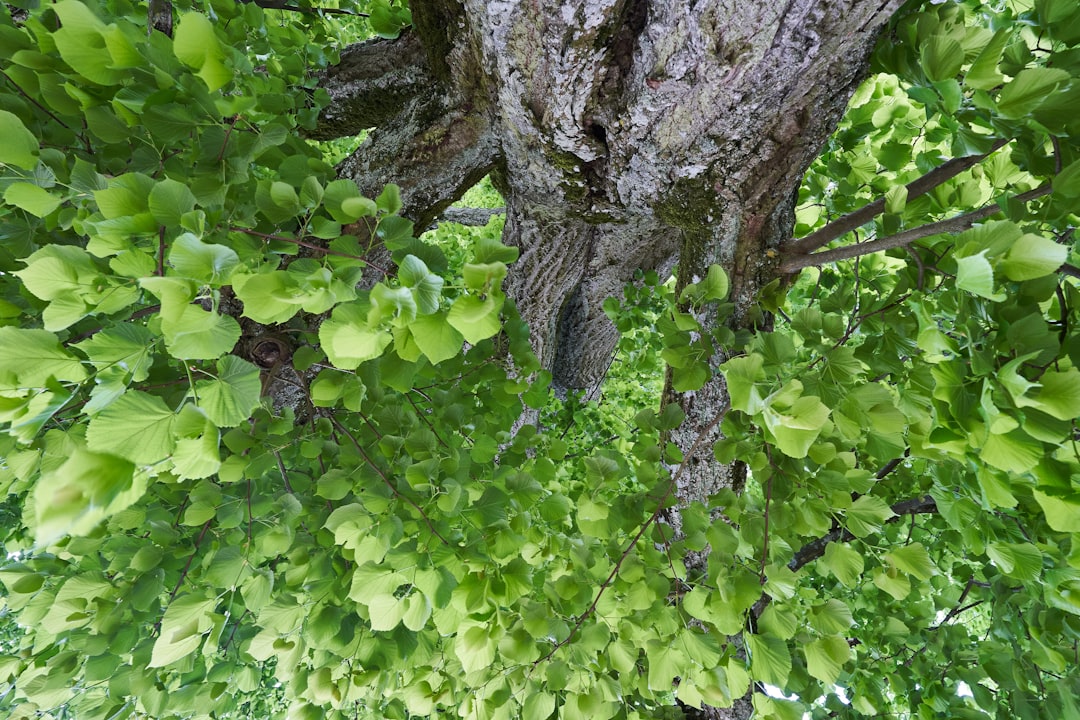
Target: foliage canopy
(174,251)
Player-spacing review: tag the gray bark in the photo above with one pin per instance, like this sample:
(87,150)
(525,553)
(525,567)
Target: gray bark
(624,134)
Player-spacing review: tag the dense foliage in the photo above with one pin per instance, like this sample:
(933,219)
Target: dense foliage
(248,470)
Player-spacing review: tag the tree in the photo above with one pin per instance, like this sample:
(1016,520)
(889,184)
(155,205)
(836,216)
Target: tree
(267,446)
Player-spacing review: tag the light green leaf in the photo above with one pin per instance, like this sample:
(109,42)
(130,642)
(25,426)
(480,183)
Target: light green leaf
(192,258)
(385,612)
(1022,561)
(389,200)
(74,497)
(538,706)
(137,427)
(941,57)
(31,198)
(233,395)
(475,648)
(742,374)
(896,199)
(476,319)
(1060,394)
(81,43)
(197,334)
(348,341)
(832,616)
(914,560)
(168,202)
(125,346)
(20,147)
(866,515)
(1013,452)
(770,660)
(196,454)
(795,424)
(983,73)
(974,274)
(843,562)
(1067,182)
(1033,256)
(436,337)
(1028,90)
(1062,512)
(417,612)
(196,45)
(30,357)
(825,658)
(185,621)
(426,286)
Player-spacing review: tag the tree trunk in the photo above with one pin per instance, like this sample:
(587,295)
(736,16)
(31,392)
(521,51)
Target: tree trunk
(624,134)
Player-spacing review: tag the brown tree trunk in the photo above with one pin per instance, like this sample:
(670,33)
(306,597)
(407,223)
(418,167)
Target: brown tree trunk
(624,134)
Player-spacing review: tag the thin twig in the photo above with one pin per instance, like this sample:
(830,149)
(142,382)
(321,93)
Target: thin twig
(378,470)
(640,533)
(309,246)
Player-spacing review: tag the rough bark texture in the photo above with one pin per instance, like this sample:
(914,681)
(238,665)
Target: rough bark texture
(624,134)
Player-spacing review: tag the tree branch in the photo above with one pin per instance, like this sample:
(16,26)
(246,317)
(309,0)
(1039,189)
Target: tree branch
(641,532)
(794,263)
(816,548)
(282,5)
(915,188)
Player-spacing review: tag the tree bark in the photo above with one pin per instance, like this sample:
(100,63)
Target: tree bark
(624,135)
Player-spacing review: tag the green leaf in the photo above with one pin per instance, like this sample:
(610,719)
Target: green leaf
(197,334)
(1067,182)
(974,274)
(389,200)
(475,648)
(914,560)
(206,263)
(196,45)
(795,425)
(866,515)
(196,454)
(125,346)
(832,616)
(538,706)
(385,612)
(87,488)
(1062,513)
(28,358)
(825,658)
(31,198)
(983,73)
(20,147)
(81,43)
(231,397)
(1013,452)
(770,660)
(742,374)
(843,562)
(168,202)
(348,341)
(186,620)
(476,318)
(1029,89)
(1033,256)
(1060,394)
(941,57)
(137,427)
(1021,561)
(436,337)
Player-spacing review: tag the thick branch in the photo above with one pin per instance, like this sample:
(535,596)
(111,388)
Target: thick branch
(915,188)
(952,225)
(374,82)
